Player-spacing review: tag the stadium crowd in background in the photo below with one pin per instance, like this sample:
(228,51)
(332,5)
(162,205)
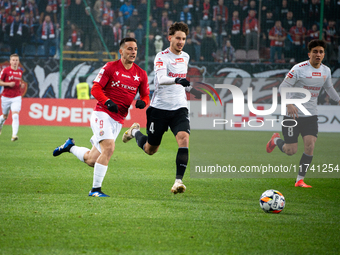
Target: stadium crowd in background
(245,24)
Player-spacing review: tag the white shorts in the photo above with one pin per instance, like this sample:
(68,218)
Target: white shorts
(10,103)
(103,127)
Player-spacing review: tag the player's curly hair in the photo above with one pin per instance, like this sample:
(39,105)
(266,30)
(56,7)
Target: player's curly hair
(178,26)
(315,43)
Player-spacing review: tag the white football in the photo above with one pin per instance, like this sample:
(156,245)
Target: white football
(272,201)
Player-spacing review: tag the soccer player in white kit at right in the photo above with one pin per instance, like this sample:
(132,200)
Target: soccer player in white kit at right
(311,75)
(168,107)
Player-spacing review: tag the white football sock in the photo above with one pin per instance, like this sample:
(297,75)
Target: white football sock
(98,175)
(15,124)
(79,152)
(2,120)
(133,131)
(299,177)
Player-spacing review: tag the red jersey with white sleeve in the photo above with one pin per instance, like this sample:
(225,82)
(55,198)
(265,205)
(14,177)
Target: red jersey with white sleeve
(9,75)
(121,86)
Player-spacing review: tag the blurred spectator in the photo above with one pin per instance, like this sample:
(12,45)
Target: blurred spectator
(152,50)
(283,10)
(75,39)
(190,49)
(196,13)
(186,16)
(49,12)
(154,28)
(296,7)
(107,22)
(47,34)
(330,10)
(267,25)
(208,47)
(8,6)
(157,8)
(313,33)
(331,36)
(127,9)
(250,30)
(98,10)
(220,19)
(83,90)
(297,34)
(133,21)
(197,37)
(139,33)
(77,13)
(165,20)
(269,5)
(288,21)
(20,8)
(234,6)
(228,52)
(120,18)
(277,36)
(32,25)
(116,38)
(158,43)
(206,14)
(176,6)
(142,11)
(235,31)
(251,6)
(17,35)
(313,13)
(32,7)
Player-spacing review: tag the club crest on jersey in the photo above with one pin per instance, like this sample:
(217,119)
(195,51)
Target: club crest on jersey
(136,77)
(316,74)
(101,133)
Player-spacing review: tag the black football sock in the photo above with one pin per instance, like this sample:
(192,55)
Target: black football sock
(141,139)
(304,165)
(96,189)
(181,162)
(280,143)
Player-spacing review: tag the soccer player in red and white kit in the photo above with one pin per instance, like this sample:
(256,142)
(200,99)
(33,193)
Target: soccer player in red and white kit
(311,75)
(168,107)
(115,86)
(10,79)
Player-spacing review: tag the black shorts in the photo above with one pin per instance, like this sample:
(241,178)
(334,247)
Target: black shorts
(304,126)
(158,122)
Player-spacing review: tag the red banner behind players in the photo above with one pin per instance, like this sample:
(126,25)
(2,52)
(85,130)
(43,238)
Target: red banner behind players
(67,112)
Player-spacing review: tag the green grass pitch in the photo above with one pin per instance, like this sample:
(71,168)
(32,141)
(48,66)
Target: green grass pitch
(45,208)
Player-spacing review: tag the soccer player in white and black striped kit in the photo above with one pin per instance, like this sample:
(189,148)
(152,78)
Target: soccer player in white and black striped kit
(311,75)
(168,107)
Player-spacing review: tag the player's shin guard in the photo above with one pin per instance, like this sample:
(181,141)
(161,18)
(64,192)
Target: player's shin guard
(15,124)
(98,175)
(279,143)
(181,162)
(304,165)
(141,139)
(79,152)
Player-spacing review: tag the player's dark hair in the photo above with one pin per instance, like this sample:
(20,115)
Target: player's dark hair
(13,55)
(127,39)
(178,26)
(315,43)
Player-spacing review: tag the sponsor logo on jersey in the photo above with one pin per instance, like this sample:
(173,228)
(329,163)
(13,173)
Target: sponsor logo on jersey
(316,74)
(311,88)
(126,76)
(179,60)
(10,77)
(159,64)
(180,75)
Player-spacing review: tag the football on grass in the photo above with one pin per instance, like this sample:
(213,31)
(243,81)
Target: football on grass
(272,201)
